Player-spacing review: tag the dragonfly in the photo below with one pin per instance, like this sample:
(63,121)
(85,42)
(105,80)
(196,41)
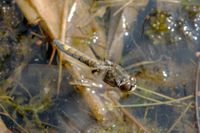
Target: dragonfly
(113,74)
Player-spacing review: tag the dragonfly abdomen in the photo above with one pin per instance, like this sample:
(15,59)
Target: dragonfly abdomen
(77,54)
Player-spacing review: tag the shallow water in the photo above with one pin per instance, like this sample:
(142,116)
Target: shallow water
(174,71)
(131,39)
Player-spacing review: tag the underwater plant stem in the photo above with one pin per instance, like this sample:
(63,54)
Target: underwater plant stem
(158,94)
(24,88)
(197,97)
(155,93)
(147,98)
(12,78)
(59,73)
(140,64)
(133,119)
(3,98)
(52,55)
(124,6)
(172,1)
(5,113)
(130,116)
(63,28)
(51,125)
(63,21)
(180,117)
(156,104)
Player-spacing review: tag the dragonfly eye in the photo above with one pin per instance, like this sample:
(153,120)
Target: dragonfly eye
(126,86)
(133,83)
(129,85)
(133,87)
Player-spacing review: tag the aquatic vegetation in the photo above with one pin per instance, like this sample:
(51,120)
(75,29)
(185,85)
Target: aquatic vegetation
(158,20)
(164,27)
(191,7)
(158,25)
(24,110)
(192,11)
(163,90)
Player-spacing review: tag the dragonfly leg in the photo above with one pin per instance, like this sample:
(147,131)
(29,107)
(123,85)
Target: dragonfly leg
(101,68)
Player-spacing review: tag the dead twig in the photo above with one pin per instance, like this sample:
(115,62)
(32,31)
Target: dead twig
(156,104)
(124,6)
(147,98)
(62,38)
(180,117)
(158,94)
(130,116)
(197,94)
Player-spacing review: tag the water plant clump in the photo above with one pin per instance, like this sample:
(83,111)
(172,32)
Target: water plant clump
(29,112)
(164,27)
(157,20)
(192,10)
(157,25)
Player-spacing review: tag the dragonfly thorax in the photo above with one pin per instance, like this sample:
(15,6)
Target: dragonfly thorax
(116,76)
(127,84)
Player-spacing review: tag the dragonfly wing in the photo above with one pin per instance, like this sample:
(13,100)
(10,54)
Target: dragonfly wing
(121,22)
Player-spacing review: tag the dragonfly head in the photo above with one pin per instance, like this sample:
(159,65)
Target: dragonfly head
(128,84)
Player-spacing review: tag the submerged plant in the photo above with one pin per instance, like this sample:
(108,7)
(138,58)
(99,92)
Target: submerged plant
(28,111)
(192,10)
(157,20)
(157,25)
(192,7)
